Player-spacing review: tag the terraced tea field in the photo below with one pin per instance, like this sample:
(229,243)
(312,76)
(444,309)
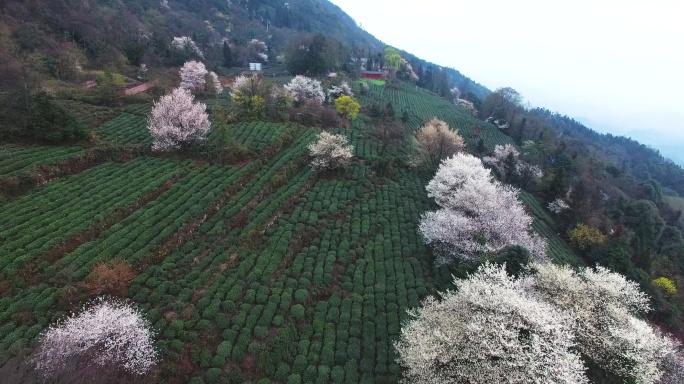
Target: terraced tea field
(261,271)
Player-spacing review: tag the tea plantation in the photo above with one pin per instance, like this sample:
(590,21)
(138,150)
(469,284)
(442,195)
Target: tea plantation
(257,271)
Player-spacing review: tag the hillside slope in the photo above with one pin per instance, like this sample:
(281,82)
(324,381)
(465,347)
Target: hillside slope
(258,270)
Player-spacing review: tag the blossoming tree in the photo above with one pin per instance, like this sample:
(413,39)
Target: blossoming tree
(337,91)
(488,331)
(603,307)
(214,83)
(257,50)
(330,152)
(506,156)
(112,334)
(436,141)
(495,328)
(478,216)
(185,43)
(303,89)
(176,120)
(193,75)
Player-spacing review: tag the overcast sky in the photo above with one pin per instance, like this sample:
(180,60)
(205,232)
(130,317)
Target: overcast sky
(616,65)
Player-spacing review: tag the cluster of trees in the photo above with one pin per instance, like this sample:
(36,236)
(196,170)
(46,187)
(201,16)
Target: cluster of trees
(606,194)
(551,324)
(301,100)
(477,217)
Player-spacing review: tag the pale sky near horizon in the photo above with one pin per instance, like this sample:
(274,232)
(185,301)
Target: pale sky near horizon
(618,64)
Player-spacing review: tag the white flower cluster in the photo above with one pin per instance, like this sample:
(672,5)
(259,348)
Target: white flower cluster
(336,91)
(557,206)
(455,93)
(302,88)
(216,83)
(469,106)
(491,330)
(187,44)
(193,75)
(407,68)
(113,333)
(528,329)
(501,154)
(603,306)
(259,49)
(330,152)
(478,215)
(176,119)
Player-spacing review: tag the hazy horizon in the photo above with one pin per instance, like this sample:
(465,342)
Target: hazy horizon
(612,64)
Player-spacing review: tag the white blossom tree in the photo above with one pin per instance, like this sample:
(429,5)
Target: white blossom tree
(193,75)
(455,94)
(478,216)
(507,156)
(339,90)
(673,368)
(488,331)
(110,333)
(557,206)
(257,50)
(185,43)
(469,106)
(330,152)
(406,71)
(603,306)
(176,120)
(215,83)
(302,89)
(434,142)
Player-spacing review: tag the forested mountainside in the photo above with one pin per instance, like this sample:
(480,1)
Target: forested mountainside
(627,155)
(287,228)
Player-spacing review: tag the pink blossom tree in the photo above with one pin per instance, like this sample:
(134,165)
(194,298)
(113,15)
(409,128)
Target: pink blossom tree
(110,333)
(176,120)
(193,75)
(490,330)
(303,89)
(478,215)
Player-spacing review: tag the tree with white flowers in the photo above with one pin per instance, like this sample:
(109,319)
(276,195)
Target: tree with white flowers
(477,216)
(488,331)
(214,83)
(455,94)
(176,120)
(506,161)
(257,50)
(339,90)
(603,307)
(673,368)
(110,334)
(330,152)
(185,43)
(303,89)
(193,75)
(557,206)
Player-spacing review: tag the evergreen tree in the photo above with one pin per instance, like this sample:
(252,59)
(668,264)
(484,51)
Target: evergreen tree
(227,55)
